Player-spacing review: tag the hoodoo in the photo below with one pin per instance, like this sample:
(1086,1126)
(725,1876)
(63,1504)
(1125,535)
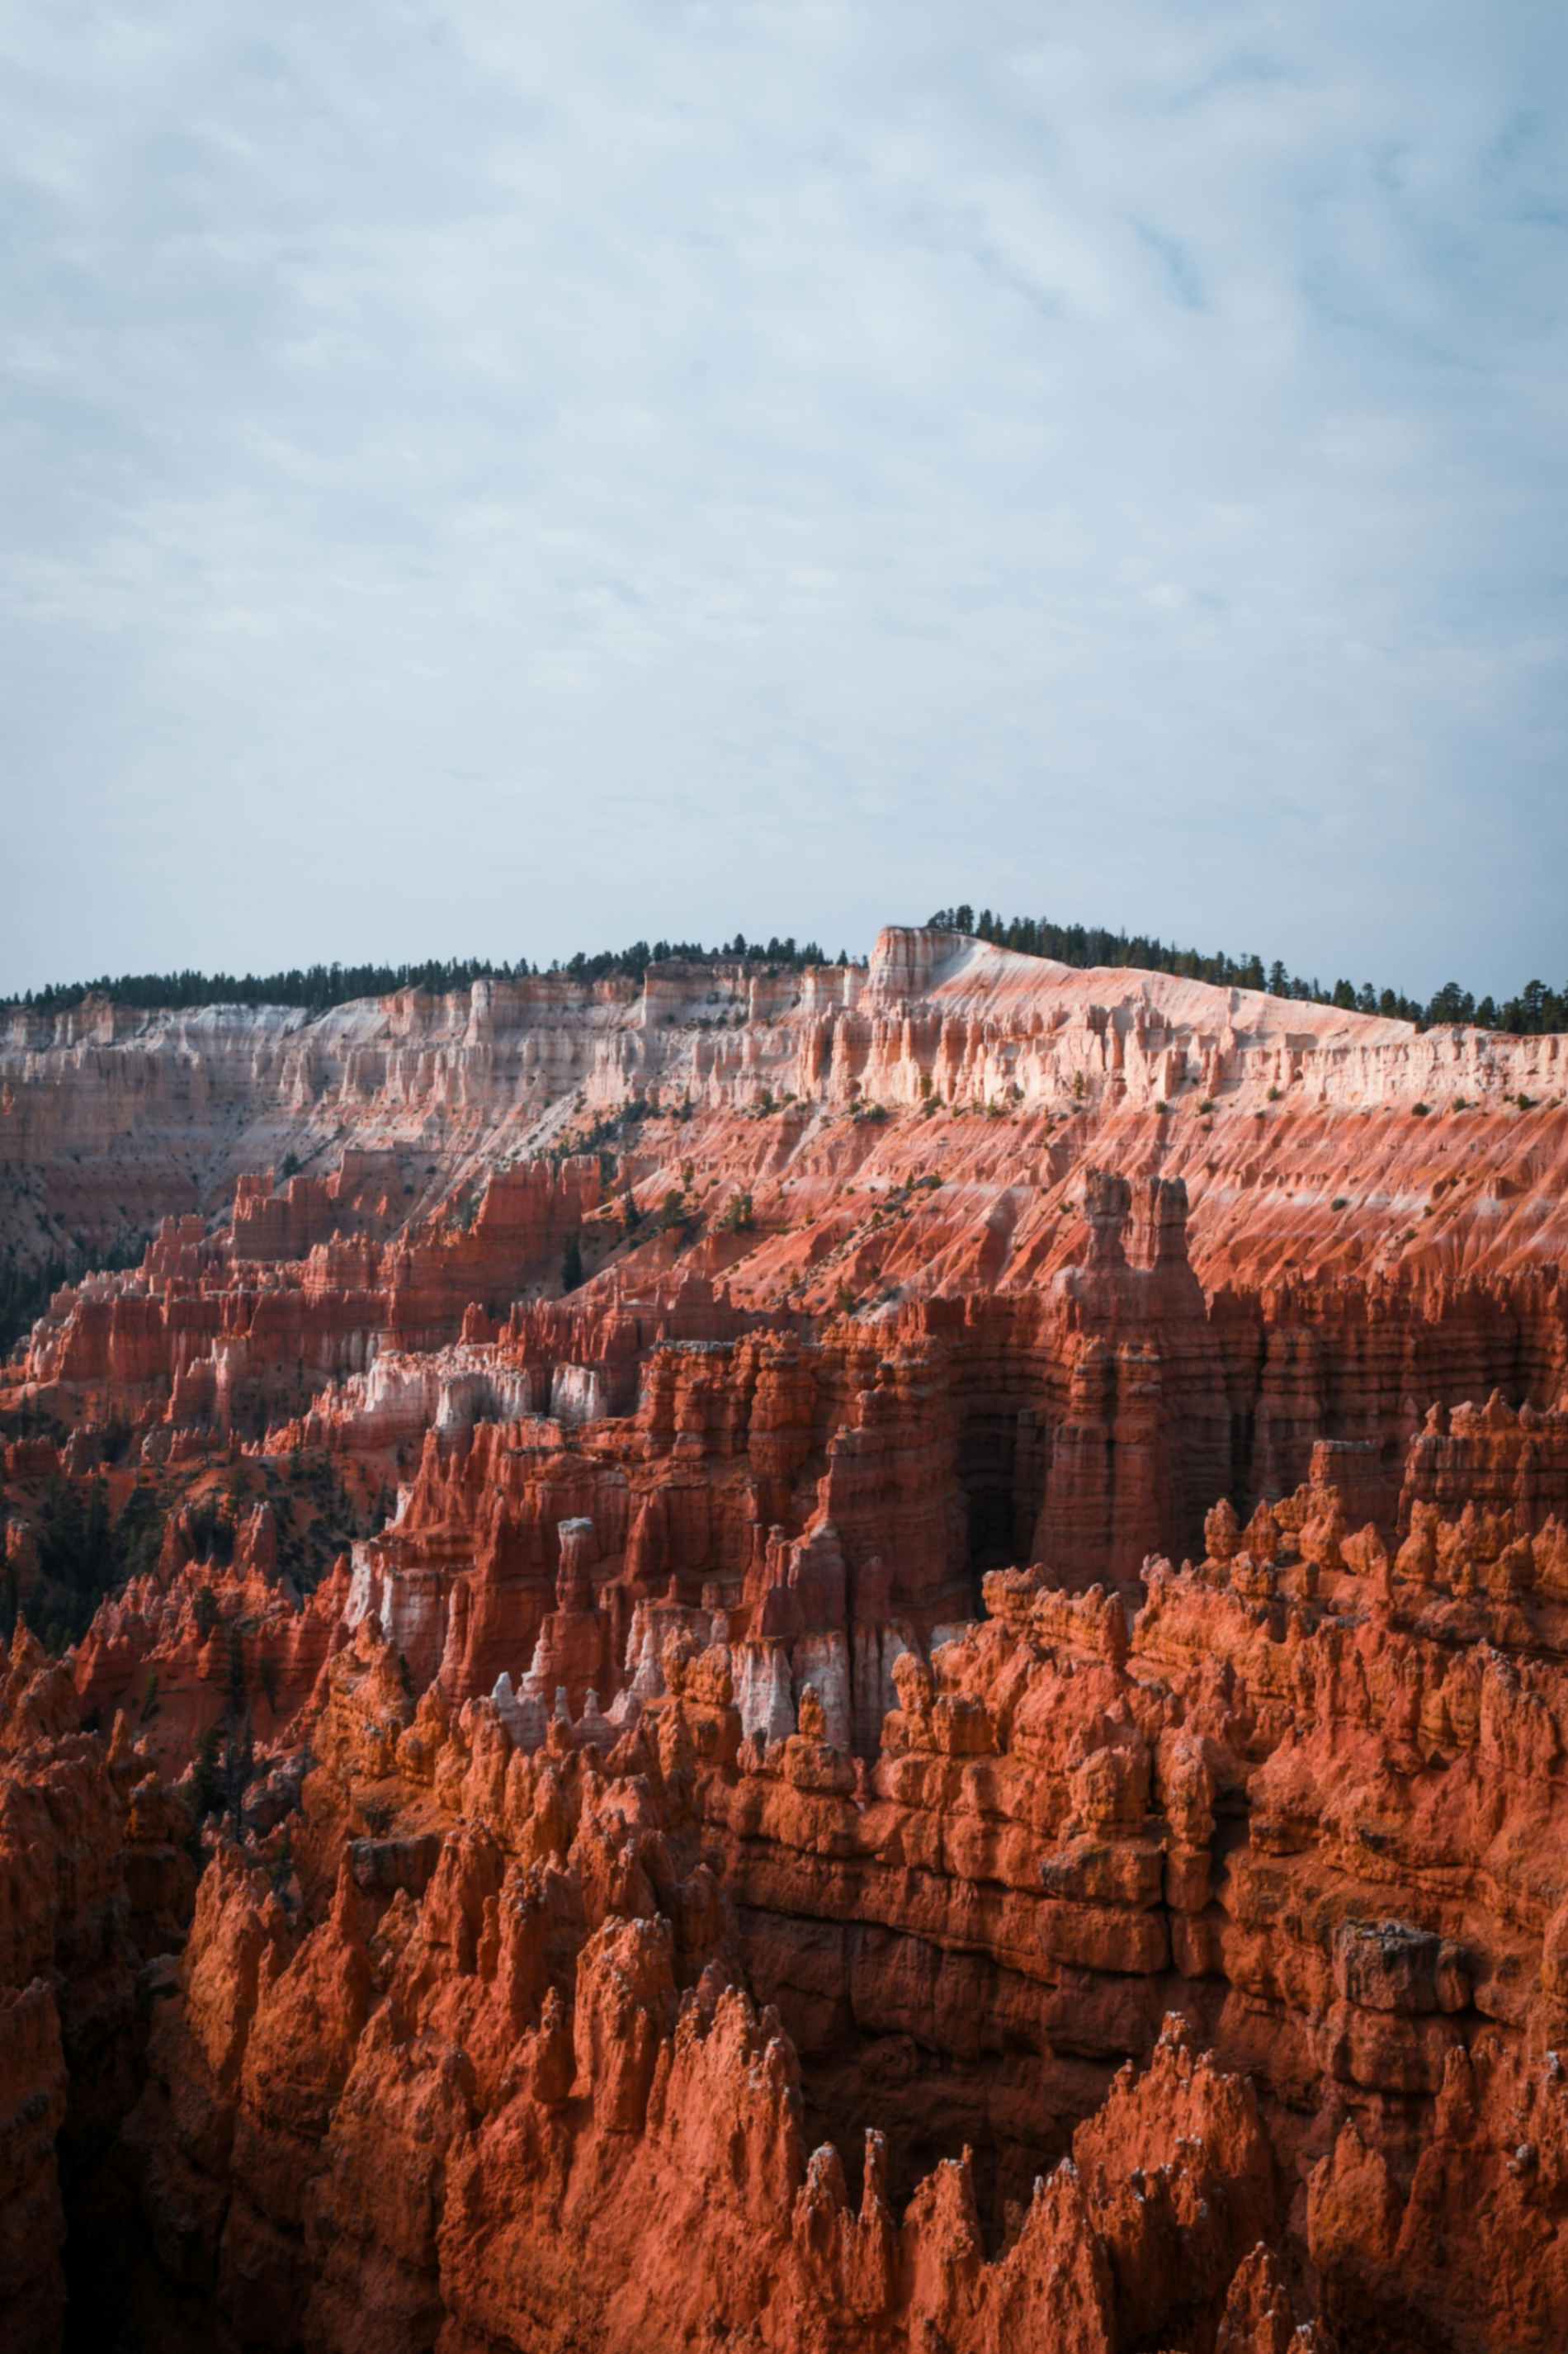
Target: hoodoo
(816,1659)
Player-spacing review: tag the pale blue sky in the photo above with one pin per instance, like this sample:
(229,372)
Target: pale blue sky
(496,479)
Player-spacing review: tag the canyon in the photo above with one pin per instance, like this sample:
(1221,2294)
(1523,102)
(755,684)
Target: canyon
(869,1657)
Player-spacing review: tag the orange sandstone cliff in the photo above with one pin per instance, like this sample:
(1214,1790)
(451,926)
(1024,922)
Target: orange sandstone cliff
(851,1659)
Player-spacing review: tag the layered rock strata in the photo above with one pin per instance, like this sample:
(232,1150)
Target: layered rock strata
(1308,1138)
(1302,1804)
(437,2098)
(911,1621)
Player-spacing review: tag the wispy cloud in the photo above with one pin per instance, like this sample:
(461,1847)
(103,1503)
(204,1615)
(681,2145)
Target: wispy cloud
(492,479)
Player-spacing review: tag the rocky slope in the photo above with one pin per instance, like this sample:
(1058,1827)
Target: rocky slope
(913,1621)
(110,1120)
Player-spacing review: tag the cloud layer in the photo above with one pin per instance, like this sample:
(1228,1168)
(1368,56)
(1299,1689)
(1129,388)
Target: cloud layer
(497,479)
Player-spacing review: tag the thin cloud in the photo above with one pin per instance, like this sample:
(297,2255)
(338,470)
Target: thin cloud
(472,477)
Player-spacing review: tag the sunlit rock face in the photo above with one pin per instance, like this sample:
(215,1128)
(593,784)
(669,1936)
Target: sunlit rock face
(869,1659)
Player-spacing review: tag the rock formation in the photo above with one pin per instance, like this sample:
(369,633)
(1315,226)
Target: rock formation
(95,1884)
(854,1661)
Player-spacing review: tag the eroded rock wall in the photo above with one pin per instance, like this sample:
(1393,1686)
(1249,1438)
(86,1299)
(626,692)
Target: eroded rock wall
(856,1660)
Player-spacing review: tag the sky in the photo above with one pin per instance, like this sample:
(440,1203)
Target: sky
(495,479)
